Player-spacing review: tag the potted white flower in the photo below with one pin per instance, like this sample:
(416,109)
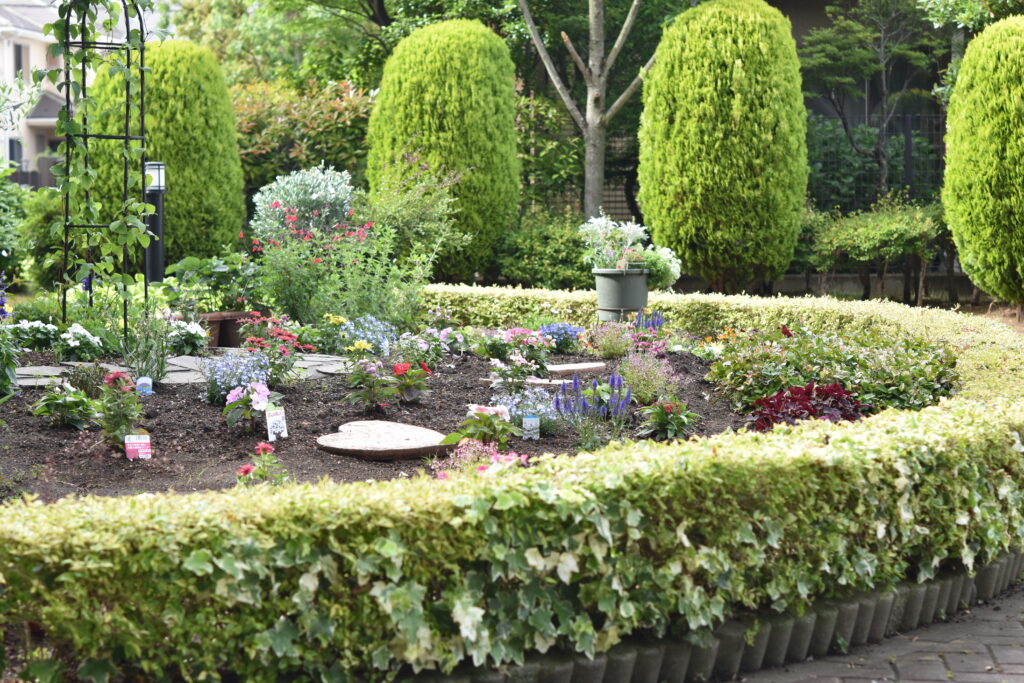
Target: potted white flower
(623,269)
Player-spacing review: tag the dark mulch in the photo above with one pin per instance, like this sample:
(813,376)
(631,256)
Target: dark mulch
(195,450)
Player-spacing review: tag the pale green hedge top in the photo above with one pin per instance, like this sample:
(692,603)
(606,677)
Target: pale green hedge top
(990,355)
(579,551)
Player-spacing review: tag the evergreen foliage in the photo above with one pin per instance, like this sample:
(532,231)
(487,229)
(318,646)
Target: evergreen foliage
(983,196)
(723,156)
(190,126)
(447,96)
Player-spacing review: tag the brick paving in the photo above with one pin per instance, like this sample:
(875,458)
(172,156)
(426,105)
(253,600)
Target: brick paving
(984,645)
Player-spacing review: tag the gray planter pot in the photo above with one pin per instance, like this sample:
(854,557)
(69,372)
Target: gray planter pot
(986,581)
(702,661)
(899,605)
(778,640)
(676,662)
(554,669)
(800,640)
(824,629)
(753,653)
(846,622)
(621,660)
(945,588)
(620,291)
(912,610)
(883,614)
(931,602)
(585,670)
(956,587)
(649,657)
(527,673)
(1006,563)
(867,605)
(732,641)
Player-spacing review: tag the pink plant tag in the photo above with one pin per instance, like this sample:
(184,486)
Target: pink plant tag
(138,447)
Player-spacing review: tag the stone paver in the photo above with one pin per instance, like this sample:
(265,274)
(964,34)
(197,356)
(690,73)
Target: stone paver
(184,369)
(985,645)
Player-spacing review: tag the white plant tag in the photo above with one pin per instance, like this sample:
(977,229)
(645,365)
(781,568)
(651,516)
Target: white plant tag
(276,425)
(138,447)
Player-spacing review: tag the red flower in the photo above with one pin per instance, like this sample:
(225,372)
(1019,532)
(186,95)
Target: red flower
(785,331)
(426,369)
(401,368)
(245,470)
(262,448)
(241,235)
(317,260)
(275,204)
(113,378)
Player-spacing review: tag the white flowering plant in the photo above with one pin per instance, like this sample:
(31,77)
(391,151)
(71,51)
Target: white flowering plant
(612,244)
(34,334)
(78,343)
(187,338)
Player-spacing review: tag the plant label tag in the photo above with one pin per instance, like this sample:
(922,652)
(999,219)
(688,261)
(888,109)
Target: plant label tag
(531,427)
(276,425)
(138,447)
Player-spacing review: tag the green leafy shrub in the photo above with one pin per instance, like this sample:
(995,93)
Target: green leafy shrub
(282,129)
(723,157)
(552,160)
(42,232)
(66,405)
(12,211)
(882,371)
(447,96)
(891,230)
(545,251)
(189,126)
(667,419)
(982,194)
(334,573)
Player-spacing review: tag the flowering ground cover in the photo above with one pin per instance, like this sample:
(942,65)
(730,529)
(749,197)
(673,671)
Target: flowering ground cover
(194,450)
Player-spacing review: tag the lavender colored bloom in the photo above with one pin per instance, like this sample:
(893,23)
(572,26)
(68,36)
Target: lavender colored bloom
(4,313)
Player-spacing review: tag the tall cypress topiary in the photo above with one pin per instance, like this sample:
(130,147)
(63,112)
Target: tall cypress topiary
(190,126)
(447,98)
(983,195)
(723,154)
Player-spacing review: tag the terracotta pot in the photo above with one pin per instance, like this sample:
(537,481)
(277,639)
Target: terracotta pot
(224,327)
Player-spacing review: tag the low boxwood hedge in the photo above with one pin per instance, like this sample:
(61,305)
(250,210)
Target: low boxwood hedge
(335,581)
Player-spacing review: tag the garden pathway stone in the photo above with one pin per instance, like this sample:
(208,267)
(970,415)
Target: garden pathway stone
(382,440)
(183,377)
(984,645)
(39,380)
(187,362)
(577,369)
(38,371)
(109,367)
(536,382)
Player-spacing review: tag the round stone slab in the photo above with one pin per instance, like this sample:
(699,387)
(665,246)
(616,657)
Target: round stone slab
(382,440)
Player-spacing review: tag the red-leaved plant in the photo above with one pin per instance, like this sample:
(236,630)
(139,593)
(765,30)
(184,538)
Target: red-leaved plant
(827,402)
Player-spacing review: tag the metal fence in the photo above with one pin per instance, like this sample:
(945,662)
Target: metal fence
(840,176)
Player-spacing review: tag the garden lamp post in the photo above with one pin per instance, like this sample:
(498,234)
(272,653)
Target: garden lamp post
(156,187)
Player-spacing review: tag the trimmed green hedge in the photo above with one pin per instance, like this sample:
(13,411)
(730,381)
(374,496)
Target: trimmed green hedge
(337,580)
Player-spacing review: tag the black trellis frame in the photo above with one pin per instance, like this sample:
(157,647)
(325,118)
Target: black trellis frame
(85,43)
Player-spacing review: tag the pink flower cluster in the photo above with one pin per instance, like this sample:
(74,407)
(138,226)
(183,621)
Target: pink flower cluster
(480,457)
(257,393)
(501,411)
(520,336)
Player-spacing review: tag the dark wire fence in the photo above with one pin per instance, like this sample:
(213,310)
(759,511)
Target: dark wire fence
(840,176)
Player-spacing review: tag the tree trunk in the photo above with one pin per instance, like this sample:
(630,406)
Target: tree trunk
(921,270)
(593,169)
(954,297)
(865,280)
(908,276)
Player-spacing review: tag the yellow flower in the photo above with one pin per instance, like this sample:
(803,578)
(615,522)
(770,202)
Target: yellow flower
(360,346)
(335,319)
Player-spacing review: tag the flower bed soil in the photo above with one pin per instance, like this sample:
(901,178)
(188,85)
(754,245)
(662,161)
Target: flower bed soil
(195,450)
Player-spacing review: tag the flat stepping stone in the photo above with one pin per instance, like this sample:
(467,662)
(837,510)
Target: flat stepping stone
(383,440)
(335,368)
(39,381)
(185,377)
(187,362)
(577,369)
(322,358)
(536,382)
(109,367)
(38,371)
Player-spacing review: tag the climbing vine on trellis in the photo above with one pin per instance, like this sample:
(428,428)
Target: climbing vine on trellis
(84,43)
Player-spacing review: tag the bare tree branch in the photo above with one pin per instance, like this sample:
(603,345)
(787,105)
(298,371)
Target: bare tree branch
(628,92)
(549,65)
(587,76)
(620,40)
